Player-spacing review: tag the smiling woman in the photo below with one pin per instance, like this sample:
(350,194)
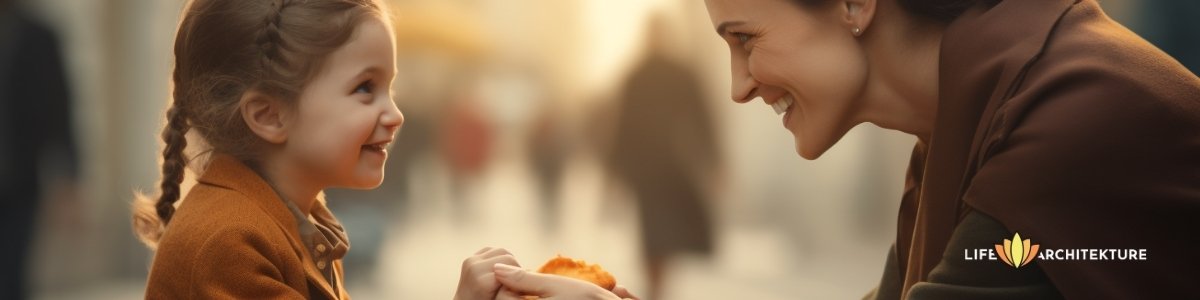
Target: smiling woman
(830,61)
(807,62)
(1044,117)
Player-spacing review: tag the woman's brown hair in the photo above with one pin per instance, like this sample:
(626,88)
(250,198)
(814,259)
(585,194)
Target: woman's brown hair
(224,48)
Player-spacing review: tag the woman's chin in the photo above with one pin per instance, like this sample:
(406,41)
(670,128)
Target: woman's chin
(807,154)
(811,146)
(810,150)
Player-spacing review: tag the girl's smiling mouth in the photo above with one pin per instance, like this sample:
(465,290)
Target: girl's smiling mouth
(379,147)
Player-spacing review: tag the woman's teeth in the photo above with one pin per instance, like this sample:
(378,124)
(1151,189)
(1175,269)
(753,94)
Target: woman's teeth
(782,105)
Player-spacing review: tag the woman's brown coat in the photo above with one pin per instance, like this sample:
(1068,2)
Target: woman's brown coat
(1062,125)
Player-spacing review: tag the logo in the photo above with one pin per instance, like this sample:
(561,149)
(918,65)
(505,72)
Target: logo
(1017,252)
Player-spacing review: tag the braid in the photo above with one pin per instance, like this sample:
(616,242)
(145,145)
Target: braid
(270,41)
(174,162)
(150,216)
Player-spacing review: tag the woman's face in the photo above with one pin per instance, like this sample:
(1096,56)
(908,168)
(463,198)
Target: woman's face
(802,60)
(346,117)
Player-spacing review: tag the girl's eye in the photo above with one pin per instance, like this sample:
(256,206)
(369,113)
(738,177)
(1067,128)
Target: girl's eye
(364,87)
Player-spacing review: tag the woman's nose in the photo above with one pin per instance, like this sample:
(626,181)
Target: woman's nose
(744,86)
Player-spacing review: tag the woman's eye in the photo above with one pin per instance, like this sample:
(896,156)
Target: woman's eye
(742,37)
(364,87)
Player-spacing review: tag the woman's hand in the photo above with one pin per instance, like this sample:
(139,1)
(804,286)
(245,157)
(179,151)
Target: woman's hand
(518,282)
(478,280)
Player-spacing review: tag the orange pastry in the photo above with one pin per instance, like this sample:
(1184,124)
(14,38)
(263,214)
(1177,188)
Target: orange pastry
(579,269)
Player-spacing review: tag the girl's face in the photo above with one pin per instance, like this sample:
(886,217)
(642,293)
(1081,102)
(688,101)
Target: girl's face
(346,117)
(803,60)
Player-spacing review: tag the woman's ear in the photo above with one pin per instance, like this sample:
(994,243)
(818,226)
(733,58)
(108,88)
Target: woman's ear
(859,14)
(264,115)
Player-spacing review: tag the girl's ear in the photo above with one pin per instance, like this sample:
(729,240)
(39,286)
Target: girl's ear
(264,115)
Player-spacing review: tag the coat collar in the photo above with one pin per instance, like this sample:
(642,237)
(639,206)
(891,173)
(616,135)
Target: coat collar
(228,172)
(984,54)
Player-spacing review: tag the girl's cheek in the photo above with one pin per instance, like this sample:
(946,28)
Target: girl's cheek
(359,130)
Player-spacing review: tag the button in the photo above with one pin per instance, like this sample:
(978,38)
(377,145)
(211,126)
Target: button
(321,265)
(320,248)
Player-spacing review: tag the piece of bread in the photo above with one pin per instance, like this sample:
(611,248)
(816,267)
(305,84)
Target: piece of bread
(579,269)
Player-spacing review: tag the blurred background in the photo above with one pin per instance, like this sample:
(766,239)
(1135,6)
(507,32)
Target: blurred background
(596,129)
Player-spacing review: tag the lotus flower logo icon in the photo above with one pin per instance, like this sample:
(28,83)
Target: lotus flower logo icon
(1017,252)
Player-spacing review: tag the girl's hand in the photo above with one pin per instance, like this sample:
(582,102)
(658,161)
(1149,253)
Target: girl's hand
(518,282)
(478,280)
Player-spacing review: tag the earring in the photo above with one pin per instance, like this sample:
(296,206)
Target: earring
(857,31)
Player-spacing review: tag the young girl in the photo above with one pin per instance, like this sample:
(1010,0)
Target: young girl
(290,98)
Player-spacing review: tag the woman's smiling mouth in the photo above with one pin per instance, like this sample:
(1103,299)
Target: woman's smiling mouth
(784,106)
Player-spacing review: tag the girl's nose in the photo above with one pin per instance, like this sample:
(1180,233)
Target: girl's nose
(392,118)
